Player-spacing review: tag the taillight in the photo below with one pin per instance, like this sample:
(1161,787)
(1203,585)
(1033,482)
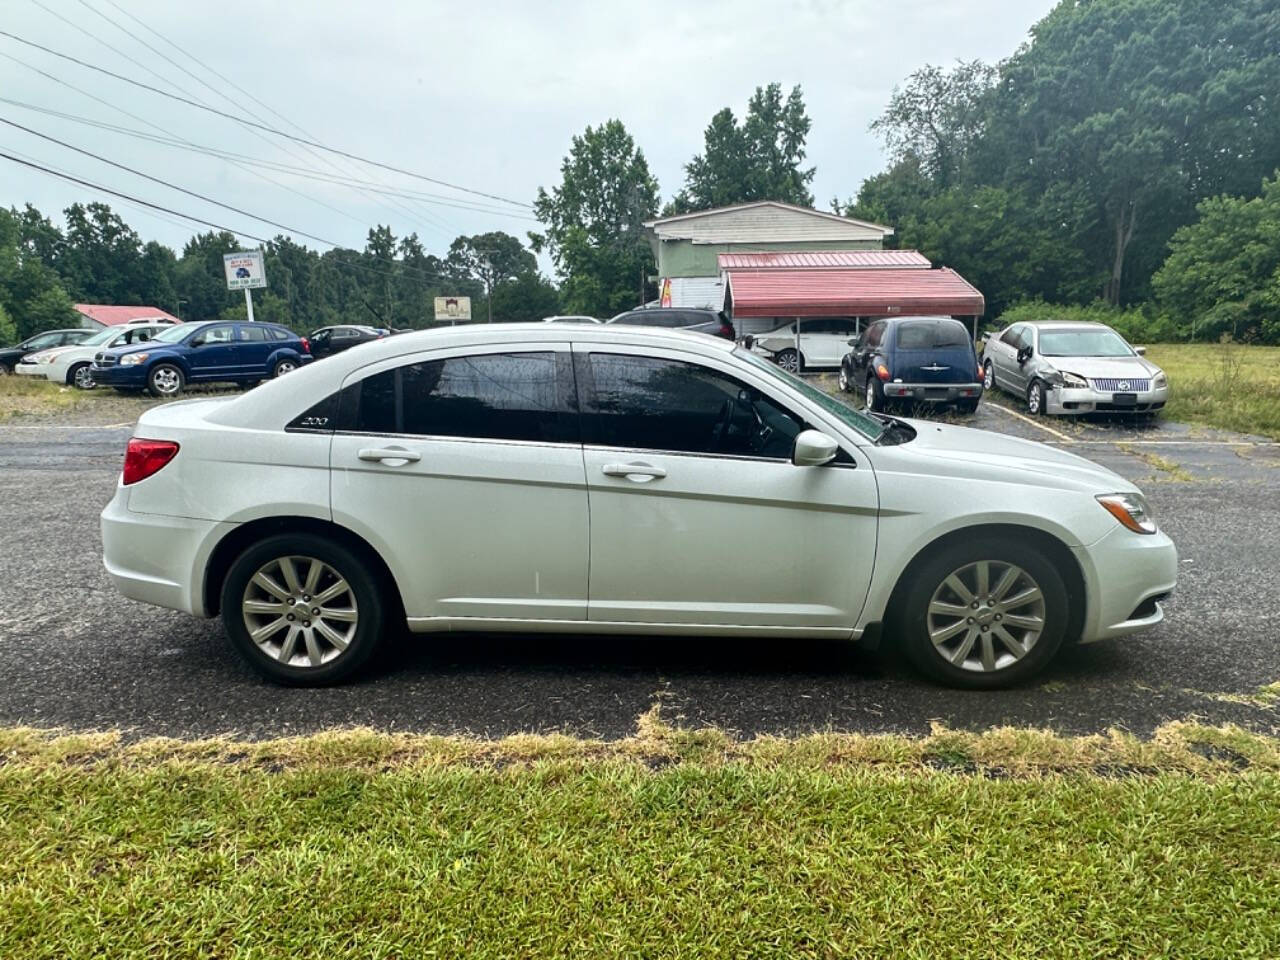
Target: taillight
(882,371)
(142,458)
(306,345)
(726,331)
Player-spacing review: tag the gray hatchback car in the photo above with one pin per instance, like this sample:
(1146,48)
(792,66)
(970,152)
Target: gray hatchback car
(1073,368)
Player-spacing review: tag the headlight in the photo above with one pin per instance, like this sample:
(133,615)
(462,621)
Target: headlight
(1074,380)
(133,359)
(48,359)
(1130,509)
(1161,380)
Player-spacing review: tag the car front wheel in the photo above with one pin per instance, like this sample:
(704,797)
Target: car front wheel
(1035,398)
(165,380)
(81,376)
(984,613)
(988,376)
(302,610)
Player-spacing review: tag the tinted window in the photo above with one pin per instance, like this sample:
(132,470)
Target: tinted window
(931,335)
(650,403)
(651,318)
(498,396)
(277,333)
(1010,336)
(216,334)
(874,333)
(44,341)
(344,333)
(257,334)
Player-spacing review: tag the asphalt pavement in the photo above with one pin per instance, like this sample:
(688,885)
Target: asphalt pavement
(75,655)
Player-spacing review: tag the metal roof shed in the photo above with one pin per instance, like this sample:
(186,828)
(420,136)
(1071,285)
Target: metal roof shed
(824,260)
(850,293)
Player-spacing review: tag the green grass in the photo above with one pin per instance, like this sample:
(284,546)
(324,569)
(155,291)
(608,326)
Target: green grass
(1232,386)
(671,843)
(24,396)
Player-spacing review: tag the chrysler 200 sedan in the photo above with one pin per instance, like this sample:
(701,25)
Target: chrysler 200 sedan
(616,479)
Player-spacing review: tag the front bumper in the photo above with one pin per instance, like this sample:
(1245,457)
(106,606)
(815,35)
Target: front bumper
(157,559)
(1127,576)
(117,375)
(38,370)
(933,392)
(1076,400)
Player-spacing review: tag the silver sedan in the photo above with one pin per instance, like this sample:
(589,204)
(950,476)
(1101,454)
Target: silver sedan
(1073,368)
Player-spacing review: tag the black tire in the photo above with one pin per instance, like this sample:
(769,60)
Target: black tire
(369,604)
(163,374)
(911,625)
(284,366)
(75,379)
(967,406)
(873,394)
(1036,398)
(789,360)
(988,375)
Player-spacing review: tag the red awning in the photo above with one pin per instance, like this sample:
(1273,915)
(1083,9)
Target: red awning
(823,259)
(852,293)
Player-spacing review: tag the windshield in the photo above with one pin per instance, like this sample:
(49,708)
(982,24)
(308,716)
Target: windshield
(1083,343)
(931,335)
(175,334)
(869,427)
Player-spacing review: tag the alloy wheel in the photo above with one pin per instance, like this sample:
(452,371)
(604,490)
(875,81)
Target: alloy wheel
(84,378)
(988,376)
(300,611)
(844,380)
(871,394)
(166,381)
(285,366)
(986,616)
(789,361)
(1033,398)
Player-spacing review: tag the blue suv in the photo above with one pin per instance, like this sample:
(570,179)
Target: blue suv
(209,352)
(925,360)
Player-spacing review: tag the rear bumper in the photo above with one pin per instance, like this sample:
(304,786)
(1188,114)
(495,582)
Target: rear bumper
(933,392)
(1127,576)
(156,559)
(1076,400)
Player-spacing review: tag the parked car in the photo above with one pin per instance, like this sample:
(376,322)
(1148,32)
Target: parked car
(928,360)
(679,318)
(570,318)
(71,365)
(207,352)
(616,480)
(823,342)
(330,340)
(1073,368)
(9,356)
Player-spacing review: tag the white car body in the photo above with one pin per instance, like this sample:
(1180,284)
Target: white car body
(571,318)
(57,363)
(481,534)
(823,340)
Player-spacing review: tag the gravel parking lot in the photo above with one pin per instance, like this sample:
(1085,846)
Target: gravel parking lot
(78,656)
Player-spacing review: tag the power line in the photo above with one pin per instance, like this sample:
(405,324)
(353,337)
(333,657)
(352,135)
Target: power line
(264,127)
(305,172)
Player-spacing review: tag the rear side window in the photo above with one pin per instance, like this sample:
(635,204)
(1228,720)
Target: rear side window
(277,333)
(257,334)
(931,335)
(496,396)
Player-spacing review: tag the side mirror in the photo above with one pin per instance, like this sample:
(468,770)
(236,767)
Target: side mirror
(813,448)
(748,341)
(1140,351)
(1024,354)
(855,342)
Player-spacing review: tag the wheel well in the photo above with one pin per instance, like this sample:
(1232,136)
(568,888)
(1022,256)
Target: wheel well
(1058,553)
(247,534)
(71,371)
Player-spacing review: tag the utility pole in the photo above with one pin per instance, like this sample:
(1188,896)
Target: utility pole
(488,286)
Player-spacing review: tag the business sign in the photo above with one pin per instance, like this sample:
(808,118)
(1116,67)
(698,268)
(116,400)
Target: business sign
(453,308)
(244,270)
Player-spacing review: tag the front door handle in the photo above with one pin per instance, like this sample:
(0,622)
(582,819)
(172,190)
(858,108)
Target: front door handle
(639,472)
(387,454)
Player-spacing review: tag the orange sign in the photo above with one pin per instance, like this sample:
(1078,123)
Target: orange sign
(665,300)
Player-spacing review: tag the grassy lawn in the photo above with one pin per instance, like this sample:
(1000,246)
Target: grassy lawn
(1007,844)
(1232,386)
(23,396)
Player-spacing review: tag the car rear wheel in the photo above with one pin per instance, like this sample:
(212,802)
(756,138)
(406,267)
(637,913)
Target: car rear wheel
(1035,398)
(283,367)
(983,613)
(789,361)
(844,380)
(81,376)
(988,375)
(302,610)
(165,380)
(874,395)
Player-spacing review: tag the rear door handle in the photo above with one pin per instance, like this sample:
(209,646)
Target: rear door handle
(639,472)
(385,454)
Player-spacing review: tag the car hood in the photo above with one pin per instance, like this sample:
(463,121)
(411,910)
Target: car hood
(1112,367)
(149,347)
(944,449)
(46,353)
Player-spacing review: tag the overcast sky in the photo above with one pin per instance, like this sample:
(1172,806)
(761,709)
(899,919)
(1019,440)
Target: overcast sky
(485,95)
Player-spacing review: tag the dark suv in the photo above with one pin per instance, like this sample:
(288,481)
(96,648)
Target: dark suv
(9,356)
(921,359)
(208,352)
(679,318)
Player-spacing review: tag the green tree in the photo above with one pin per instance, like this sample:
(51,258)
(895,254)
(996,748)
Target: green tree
(31,293)
(935,118)
(199,276)
(489,259)
(1223,271)
(8,329)
(594,221)
(525,297)
(757,160)
(101,258)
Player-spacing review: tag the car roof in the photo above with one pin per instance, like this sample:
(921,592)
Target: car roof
(1064,324)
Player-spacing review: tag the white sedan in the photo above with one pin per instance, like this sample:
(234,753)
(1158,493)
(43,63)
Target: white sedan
(622,479)
(71,365)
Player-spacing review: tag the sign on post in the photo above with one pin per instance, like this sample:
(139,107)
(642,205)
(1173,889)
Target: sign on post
(244,270)
(453,308)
